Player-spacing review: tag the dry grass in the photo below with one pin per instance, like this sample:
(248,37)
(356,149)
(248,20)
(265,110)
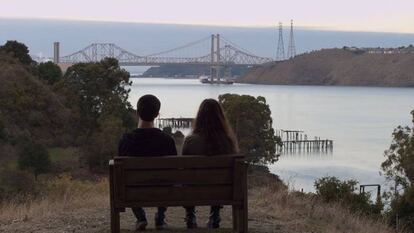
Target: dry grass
(297,212)
(80,206)
(63,194)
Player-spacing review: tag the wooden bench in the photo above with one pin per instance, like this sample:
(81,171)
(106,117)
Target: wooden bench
(178,181)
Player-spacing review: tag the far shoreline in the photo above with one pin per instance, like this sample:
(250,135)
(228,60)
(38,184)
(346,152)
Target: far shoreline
(280,84)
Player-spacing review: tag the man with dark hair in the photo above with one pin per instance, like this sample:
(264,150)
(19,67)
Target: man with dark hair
(147,141)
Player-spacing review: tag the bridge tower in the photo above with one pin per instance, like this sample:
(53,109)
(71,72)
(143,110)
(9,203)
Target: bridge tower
(215,58)
(292,48)
(56,52)
(280,54)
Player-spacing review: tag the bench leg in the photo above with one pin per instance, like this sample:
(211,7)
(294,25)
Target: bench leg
(115,221)
(243,224)
(240,218)
(236,219)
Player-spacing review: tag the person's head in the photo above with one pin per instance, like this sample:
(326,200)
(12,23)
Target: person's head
(211,123)
(148,107)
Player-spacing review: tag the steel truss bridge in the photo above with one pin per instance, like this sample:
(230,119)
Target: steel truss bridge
(211,51)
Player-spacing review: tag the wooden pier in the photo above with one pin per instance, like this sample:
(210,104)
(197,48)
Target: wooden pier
(175,123)
(296,141)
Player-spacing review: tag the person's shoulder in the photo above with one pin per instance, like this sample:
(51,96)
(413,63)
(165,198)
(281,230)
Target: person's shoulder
(167,141)
(194,145)
(125,137)
(194,137)
(163,135)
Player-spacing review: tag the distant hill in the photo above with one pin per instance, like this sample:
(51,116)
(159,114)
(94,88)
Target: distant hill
(345,67)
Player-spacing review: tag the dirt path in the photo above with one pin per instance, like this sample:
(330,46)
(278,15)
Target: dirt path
(97,220)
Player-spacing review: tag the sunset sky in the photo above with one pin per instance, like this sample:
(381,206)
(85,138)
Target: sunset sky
(350,15)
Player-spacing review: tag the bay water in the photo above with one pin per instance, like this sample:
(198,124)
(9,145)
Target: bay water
(360,121)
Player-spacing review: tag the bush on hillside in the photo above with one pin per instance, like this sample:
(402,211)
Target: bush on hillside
(35,158)
(17,50)
(331,190)
(103,144)
(50,72)
(17,185)
(28,107)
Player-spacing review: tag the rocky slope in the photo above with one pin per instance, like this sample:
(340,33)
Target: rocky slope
(337,67)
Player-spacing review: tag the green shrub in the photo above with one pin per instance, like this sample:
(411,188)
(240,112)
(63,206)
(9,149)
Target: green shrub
(50,72)
(16,185)
(17,50)
(331,189)
(34,157)
(402,208)
(103,144)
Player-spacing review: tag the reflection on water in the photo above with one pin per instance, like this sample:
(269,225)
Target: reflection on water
(306,153)
(359,120)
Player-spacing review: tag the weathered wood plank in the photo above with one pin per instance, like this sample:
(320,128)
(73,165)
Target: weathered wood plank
(183,176)
(183,193)
(174,162)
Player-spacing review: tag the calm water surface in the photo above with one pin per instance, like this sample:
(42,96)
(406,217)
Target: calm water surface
(360,120)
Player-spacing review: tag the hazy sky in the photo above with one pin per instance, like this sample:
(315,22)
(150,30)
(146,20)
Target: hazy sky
(354,15)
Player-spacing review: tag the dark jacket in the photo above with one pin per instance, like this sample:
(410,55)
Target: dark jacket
(146,142)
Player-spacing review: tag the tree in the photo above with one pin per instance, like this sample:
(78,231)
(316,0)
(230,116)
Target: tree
(17,50)
(35,158)
(50,72)
(97,95)
(92,90)
(104,142)
(251,120)
(399,163)
(399,168)
(331,189)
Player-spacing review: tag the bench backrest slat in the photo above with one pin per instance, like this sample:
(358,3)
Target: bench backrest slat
(179,176)
(174,162)
(176,179)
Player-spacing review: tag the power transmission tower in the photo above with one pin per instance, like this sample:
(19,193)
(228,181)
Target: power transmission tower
(280,54)
(292,48)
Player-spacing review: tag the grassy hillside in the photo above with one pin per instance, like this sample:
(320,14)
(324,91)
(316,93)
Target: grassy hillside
(82,206)
(338,67)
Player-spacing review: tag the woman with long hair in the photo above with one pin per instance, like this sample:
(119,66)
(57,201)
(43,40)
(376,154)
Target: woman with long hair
(212,135)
